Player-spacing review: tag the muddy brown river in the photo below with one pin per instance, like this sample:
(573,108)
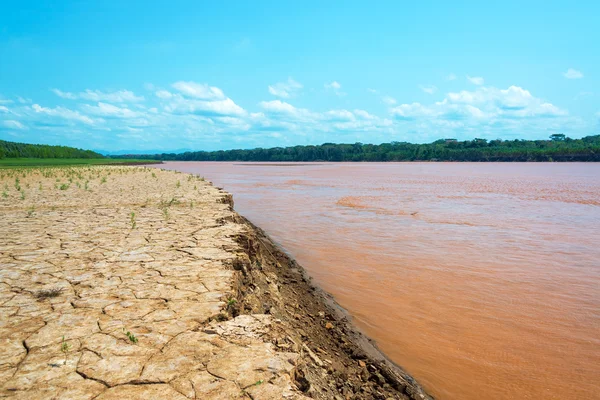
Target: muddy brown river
(482,280)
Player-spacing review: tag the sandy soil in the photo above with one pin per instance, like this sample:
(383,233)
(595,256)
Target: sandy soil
(135,283)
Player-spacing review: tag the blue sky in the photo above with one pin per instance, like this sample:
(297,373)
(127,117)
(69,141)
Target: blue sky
(137,75)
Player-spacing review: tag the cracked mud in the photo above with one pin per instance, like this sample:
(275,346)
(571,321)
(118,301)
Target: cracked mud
(139,283)
(78,271)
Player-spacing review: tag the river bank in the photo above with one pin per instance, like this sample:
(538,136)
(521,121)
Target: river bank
(126,282)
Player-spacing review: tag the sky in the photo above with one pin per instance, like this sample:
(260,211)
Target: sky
(197,75)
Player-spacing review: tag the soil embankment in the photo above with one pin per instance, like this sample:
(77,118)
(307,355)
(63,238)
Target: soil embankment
(126,282)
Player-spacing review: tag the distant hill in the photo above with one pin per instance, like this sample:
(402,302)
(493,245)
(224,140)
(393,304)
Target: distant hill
(23,150)
(557,148)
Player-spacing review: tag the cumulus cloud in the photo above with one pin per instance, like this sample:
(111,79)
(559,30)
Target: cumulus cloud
(487,103)
(203,116)
(120,96)
(199,90)
(63,113)
(111,111)
(207,108)
(281,107)
(390,101)
(573,74)
(336,87)
(163,94)
(429,89)
(64,95)
(475,80)
(285,89)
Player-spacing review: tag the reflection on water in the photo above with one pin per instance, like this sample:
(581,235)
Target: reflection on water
(482,280)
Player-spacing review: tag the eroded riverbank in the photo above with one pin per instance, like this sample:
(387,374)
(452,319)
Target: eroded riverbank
(125,282)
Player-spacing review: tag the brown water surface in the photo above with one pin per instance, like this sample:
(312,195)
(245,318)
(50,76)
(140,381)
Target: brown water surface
(482,280)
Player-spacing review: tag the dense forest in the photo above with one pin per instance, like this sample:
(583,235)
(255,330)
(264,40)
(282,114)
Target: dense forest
(23,150)
(557,148)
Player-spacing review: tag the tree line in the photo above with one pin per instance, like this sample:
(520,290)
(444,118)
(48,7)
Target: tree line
(557,148)
(24,150)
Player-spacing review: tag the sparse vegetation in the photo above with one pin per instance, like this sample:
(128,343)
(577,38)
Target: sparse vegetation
(132,220)
(132,338)
(48,293)
(64,348)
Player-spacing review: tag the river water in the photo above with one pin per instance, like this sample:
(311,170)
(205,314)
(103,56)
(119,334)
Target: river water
(482,280)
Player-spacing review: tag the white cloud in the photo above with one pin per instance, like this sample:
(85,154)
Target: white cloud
(483,103)
(121,96)
(111,111)
(336,87)
(390,101)
(333,85)
(364,115)
(207,108)
(4,109)
(11,124)
(64,95)
(429,89)
(374,91)
(63,113)
(164,94)
(475,80)
(451,77)
(573,74)
(339,115)
(281,107)
(285,89)
(199,90)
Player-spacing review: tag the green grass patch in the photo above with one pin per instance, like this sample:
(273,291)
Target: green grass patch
(51,162)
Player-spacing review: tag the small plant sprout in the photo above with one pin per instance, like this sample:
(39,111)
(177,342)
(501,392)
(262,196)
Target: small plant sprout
(65,347)
(132,220)
(5,194)
(153,175)
(231,303)
(178,184)
(258,383)
(130,336)
(86,185)
(64,186)
(30,211)
(191,203)
(23,195)
(103,180)
(40,187)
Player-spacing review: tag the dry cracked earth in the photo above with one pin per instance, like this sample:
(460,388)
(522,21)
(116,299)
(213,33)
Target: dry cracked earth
(115,283)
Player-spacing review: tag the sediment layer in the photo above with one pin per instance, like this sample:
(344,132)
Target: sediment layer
(136,283)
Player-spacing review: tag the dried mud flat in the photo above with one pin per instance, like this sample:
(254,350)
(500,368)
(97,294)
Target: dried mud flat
(138,283)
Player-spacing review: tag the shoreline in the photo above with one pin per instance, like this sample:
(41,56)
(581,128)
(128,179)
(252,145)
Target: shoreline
(138,283)
(333,329)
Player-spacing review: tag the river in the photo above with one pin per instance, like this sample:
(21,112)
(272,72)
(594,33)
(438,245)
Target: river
(482,280)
